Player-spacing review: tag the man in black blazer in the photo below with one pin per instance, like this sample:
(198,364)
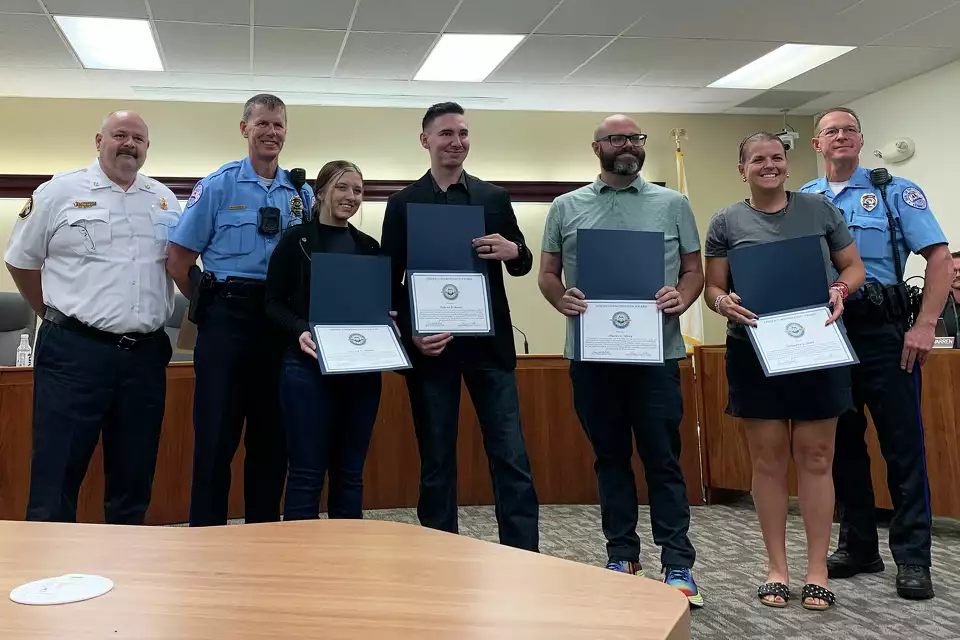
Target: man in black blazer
(486,364)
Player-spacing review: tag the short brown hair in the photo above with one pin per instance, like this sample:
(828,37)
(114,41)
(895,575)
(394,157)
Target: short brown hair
(760,136)
(955,254)
(820,116)
(329,173)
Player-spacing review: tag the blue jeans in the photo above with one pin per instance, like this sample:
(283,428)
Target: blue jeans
(435,401)
(329,421)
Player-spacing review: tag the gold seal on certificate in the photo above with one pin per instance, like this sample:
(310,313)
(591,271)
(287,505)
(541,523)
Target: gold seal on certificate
(800,340)
(457,303)
(627,331)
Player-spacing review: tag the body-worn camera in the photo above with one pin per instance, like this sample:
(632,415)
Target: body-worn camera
(269,221)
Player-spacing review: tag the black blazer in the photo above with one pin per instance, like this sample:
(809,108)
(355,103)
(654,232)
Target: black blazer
(500,218)
(287,296)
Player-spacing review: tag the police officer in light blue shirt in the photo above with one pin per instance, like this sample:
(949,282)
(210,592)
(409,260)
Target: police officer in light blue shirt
(892,343)
(233,221)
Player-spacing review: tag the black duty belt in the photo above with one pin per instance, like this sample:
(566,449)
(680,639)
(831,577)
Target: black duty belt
(121,340)
(240,288)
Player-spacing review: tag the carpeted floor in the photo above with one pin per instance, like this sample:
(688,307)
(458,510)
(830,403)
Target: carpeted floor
(730,565)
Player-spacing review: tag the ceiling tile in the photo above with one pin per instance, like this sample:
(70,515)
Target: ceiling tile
(31,41)
(833,99)
(871,68)
(594,17)
(99,8)
(547,58)
(383,55)
(500,16)
(938,30)
(775,99)
(306,14)
(210,11)
(20,6)
(205,48)
(880,17)
(668,62)
(403,16)
(293,52)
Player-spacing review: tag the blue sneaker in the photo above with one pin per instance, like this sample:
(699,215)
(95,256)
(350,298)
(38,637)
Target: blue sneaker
(625,566)
(682,579)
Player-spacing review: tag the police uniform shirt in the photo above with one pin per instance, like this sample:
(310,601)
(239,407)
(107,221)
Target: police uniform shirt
(863,208)
(222,218)
(101,250)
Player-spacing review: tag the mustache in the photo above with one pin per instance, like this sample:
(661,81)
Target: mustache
(125,151)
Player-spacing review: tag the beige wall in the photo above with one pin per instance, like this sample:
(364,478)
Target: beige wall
(192,139)
(925,109)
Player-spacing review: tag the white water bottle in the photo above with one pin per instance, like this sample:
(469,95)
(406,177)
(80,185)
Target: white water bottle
(24,353)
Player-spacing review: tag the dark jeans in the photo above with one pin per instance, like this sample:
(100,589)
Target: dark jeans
(329,420)
(615,403)
(82,388)
(435,401)
(893,397)
(237,364)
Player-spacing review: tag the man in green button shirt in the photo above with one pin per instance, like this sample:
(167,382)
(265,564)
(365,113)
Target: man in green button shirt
(616,402)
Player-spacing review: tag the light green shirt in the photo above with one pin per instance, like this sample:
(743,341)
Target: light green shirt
(639,207)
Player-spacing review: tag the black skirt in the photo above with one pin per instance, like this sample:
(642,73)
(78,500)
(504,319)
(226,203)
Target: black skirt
(808,395)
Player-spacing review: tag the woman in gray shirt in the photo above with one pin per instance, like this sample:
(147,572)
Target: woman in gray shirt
(789,414)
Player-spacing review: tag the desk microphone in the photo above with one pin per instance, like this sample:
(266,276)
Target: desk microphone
(526,345)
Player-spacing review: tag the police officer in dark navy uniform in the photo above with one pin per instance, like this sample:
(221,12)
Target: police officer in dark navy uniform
(892,335)
(233,221)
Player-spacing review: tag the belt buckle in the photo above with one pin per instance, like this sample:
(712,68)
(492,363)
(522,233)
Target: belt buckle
(126,342)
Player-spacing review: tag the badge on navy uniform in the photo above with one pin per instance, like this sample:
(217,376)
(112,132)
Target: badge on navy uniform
(868,201)
(163,203)
(27,208)
(296,206)
(913,197)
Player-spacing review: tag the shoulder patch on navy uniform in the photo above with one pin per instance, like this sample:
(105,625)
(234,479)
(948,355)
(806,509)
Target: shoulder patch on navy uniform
(27,208)
(195,196)
(913,197)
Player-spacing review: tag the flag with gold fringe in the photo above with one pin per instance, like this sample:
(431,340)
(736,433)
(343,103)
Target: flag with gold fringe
(691,322)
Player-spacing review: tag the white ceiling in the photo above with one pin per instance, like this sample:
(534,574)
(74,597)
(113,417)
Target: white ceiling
(582,55)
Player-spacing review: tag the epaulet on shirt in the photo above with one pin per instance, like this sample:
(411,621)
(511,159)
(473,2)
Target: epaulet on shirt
(58,176)
(808,185)
(230,165)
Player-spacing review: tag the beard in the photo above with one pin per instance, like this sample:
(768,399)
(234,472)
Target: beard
(624,163)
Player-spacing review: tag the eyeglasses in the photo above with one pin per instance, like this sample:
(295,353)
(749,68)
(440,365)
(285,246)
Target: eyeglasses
(618,140)
(833,132)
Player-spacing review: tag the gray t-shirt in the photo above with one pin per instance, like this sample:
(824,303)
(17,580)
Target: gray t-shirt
(641,206)
(806,214)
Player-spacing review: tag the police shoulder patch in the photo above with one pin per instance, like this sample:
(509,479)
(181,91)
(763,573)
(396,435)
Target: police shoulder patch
(195,196)
(27,208)
(913,197)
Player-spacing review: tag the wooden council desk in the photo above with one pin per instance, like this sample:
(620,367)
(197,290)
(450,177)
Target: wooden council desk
(727,458)
(322,579)
(560,455)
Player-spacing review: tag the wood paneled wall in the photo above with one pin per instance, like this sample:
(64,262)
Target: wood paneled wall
(560,455)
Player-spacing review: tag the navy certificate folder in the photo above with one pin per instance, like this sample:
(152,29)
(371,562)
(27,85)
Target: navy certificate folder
(617,264)
(439,237)
(781,275)
(349,289)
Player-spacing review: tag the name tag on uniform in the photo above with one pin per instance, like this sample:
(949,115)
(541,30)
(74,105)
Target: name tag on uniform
(84,204)
(237,207)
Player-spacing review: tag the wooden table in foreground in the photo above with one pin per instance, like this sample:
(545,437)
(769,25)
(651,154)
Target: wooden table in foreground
(726,458)
(322,579)
(560,455)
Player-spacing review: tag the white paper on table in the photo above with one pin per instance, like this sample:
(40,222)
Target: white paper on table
(628,331)
(73,587)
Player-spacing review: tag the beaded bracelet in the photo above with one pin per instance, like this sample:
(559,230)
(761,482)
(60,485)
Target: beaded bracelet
(841,288)
(716,303)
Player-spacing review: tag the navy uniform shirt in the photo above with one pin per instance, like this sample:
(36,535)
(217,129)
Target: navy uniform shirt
(866,216)
(221,219)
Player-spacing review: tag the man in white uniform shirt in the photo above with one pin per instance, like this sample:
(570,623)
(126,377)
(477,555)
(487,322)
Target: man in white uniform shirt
(88,252)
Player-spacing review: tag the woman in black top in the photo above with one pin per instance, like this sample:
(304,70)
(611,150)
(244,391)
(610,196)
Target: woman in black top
(328,419)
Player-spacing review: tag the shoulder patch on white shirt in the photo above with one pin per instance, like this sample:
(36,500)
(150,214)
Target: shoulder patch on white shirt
(913,197)
(27,208)
(195,196)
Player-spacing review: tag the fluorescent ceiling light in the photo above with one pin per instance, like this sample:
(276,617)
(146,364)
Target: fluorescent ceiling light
(112,43)
(780,65)
(466,57)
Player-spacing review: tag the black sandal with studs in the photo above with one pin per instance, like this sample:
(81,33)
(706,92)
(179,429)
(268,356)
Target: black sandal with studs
(816,592)
(777,589)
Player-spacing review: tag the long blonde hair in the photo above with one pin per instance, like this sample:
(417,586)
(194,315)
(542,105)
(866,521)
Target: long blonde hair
(329,174)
